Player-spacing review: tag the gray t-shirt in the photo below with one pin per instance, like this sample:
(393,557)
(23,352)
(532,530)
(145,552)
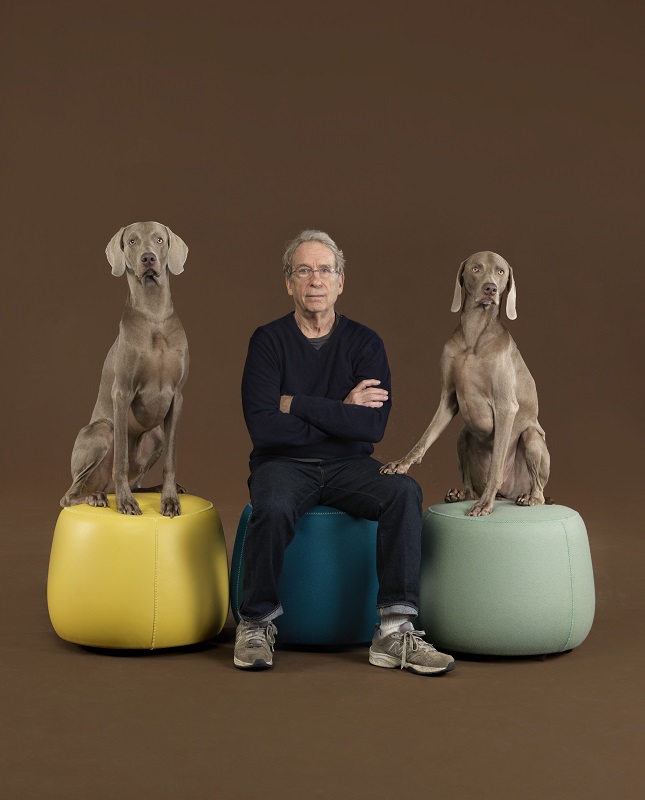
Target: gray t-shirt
(321,340)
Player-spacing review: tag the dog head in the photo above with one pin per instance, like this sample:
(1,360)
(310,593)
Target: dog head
(484,277)
(145,249)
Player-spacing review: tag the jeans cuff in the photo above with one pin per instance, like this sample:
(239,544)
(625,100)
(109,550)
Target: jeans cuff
(277,611)
(399,608)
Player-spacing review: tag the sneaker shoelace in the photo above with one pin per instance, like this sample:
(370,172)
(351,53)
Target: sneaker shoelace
(411,641)
(256,635)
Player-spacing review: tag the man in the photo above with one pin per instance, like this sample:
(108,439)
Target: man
(316,395)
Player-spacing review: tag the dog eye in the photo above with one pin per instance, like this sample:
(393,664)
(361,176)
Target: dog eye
(500,271)
(159,240)
(475,269)
(132,241)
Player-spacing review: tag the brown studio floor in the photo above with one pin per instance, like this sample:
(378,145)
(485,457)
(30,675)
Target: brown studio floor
(186,724)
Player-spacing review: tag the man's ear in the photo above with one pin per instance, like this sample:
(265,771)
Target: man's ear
(115,254)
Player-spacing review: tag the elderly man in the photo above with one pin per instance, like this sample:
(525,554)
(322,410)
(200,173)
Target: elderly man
(316,395)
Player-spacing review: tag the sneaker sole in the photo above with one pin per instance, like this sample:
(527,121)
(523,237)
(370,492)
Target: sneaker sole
(389,662)
(257,665)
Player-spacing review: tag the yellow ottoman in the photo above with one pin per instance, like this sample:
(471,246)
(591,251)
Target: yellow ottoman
(141,582)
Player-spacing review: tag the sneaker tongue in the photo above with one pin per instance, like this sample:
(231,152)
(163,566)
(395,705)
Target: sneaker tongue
(407,626)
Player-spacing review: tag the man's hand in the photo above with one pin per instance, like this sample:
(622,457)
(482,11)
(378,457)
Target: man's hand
(285,403)
(366,394)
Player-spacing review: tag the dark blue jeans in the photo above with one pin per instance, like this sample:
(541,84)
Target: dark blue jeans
(282,490)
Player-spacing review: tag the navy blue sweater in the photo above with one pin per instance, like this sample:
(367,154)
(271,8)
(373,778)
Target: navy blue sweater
(281,361)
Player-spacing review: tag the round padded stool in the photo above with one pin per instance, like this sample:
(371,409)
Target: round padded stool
(328,584)
(517,582)
(148,581)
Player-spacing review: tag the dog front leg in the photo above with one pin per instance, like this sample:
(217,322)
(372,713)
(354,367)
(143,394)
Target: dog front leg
(125,501)
(538,466)
(467,463)
(503,427)
(170,506)
(447,410)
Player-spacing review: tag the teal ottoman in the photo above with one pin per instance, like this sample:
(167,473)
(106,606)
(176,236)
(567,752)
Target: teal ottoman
(515,583)
(328,585)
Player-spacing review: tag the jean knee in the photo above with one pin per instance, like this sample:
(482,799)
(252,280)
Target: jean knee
(408,490)
(275,506)
(400,492)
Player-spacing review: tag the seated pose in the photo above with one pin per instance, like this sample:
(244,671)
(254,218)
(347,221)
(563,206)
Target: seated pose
(316,395)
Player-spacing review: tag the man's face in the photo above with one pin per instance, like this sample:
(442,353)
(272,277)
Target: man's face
(314,294)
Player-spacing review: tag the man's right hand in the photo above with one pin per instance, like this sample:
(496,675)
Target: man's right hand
(366,394)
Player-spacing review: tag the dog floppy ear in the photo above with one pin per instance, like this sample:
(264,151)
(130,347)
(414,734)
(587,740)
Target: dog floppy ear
(177,253)
(456,300)
(115,254)
(511,296)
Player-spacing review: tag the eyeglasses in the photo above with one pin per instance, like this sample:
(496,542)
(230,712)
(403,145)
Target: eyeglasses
(307,272)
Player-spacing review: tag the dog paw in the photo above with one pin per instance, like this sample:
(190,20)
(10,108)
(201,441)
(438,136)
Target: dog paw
(128,505)
(396,467)
(529,500)
(454,496)
(98,500)
(480,509)
(170,507)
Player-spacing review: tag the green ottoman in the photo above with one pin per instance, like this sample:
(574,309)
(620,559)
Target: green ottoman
(515,583)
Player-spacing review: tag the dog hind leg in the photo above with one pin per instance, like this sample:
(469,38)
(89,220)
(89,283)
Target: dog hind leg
(91,465)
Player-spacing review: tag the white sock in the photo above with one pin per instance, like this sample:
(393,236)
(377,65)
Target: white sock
(392,622)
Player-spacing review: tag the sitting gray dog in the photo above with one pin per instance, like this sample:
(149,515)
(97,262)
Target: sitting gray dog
(501,449)
(140,395)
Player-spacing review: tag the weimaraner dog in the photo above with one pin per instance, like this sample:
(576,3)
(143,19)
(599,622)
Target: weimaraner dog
(140,395)
(501,448)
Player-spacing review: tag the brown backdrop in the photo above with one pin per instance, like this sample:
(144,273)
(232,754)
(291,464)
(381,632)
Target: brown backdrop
(414,135)
(413,139)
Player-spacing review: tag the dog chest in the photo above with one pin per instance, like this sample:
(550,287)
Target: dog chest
(150,406)
(161,367)
(477,414)
(158,373)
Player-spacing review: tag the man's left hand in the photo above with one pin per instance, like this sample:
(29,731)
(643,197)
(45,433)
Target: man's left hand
(285,403)
(367,393)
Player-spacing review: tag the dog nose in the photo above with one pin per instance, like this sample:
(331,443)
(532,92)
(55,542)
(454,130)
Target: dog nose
(489,289)
(148,259)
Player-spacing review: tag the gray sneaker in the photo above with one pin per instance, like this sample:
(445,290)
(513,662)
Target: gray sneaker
(254,645)
(406,649)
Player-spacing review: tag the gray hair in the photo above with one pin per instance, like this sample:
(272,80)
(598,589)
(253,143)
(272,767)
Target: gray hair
(312,236)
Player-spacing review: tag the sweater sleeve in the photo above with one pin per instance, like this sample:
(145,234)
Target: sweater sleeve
(267,425)
(346,420)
